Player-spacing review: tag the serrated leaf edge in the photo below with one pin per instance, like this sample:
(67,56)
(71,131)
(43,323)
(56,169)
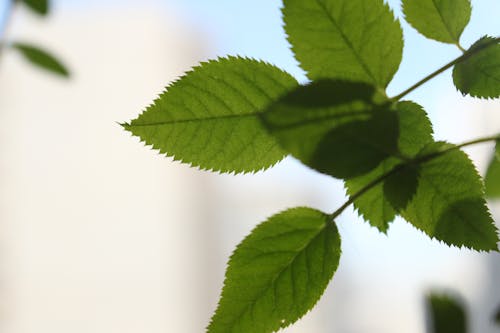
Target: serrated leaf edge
(152,146)
(320,230)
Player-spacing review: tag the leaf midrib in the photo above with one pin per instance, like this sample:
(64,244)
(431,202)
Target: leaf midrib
(173,121)
(444,22)
(348,42)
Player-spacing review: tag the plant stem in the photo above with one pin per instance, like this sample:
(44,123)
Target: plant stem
(398,167)
(460,47)
(365,189)
(452,63)
(480,140)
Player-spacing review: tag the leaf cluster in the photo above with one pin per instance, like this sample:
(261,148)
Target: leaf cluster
(34,54)
(236,114)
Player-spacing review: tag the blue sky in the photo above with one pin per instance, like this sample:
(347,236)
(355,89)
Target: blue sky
(254,29)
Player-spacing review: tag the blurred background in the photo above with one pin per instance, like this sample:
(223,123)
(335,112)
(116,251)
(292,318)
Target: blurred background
(99,234)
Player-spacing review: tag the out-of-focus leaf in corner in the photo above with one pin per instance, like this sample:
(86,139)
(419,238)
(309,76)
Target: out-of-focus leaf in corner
(446,314)
(41,58)
(41,7)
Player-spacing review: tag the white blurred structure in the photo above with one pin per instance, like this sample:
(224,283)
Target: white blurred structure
(99,234)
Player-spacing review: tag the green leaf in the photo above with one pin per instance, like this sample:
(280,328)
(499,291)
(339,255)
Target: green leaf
(492,179)
(415,131)
(479,75)
(278,272)
(356,40)
(496,317)
(334,127)
(209,118)
(447,314)
(442,20)
(448,203)
(41,58)
(38,6)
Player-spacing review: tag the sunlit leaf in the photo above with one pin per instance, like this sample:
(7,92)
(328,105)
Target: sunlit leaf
(278,272)
(479,75)
(358,40)
(442,20)
(448,203)
(209,118)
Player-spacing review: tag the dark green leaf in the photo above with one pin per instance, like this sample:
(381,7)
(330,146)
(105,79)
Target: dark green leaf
(496,317)
(38,6)
(334,127)
(479,75)
(446,314)
(400,187)
(442,20)
(356,40)
(209,117)
(41,58)
(448,203)
(492,179)
(415,131)
(278,272)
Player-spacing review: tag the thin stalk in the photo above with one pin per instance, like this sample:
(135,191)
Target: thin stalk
(467,54)
(460,47)
(398,167)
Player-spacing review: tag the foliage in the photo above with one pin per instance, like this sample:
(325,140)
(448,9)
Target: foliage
(343,40)
(284,265)
(446,314)
(240,115)
(492,178)
(212,120)
(41,7)
(35,55)
(478,76)
(41,58)
(441,20)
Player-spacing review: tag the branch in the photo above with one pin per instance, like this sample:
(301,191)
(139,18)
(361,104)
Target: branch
(398,167)
(467,54)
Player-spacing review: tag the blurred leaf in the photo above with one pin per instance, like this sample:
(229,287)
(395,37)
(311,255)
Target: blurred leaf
(447,315)
(334,127)
(41,58)
(41,7)
(448,203)
(492,178)
(278,272)
(345,39)
(442,20)
(497,316)
(209,117)
(479,75)
(415,131)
